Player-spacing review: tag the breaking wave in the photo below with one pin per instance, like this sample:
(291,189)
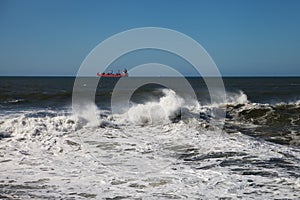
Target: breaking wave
(171,143)
(166,109)
(279,123)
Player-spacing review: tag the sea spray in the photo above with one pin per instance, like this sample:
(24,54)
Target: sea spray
(236,98)
(87,115)
(167,109)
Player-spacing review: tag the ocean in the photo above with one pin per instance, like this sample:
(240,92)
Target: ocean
(163,146)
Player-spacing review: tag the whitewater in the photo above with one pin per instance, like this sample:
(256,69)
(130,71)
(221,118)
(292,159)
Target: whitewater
(158,149)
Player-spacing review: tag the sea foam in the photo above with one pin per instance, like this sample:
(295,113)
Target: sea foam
(155,112)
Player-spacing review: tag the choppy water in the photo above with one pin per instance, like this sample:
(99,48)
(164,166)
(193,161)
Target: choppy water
(149,152)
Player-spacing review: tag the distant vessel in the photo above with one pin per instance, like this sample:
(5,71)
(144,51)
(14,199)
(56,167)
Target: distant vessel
(112,75)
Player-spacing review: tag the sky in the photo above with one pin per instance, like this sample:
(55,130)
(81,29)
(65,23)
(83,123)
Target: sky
(244,37)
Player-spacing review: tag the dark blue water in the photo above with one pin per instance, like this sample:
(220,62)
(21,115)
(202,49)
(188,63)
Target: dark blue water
(24,92)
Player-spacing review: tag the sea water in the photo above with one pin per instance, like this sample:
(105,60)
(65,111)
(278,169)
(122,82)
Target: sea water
(162,147)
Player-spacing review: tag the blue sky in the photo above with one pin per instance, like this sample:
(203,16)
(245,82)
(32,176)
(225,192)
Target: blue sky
(244,37)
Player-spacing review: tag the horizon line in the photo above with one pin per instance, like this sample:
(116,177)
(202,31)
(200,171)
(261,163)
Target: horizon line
(223,76)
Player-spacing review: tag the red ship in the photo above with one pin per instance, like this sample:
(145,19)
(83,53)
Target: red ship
(112,75)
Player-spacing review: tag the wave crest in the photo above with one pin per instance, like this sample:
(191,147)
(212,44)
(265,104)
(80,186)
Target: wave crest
(167,109)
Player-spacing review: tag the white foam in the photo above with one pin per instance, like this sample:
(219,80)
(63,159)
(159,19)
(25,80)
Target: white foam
(24,125)
(156,112)
(89,112)
(236,98)
(65,158)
